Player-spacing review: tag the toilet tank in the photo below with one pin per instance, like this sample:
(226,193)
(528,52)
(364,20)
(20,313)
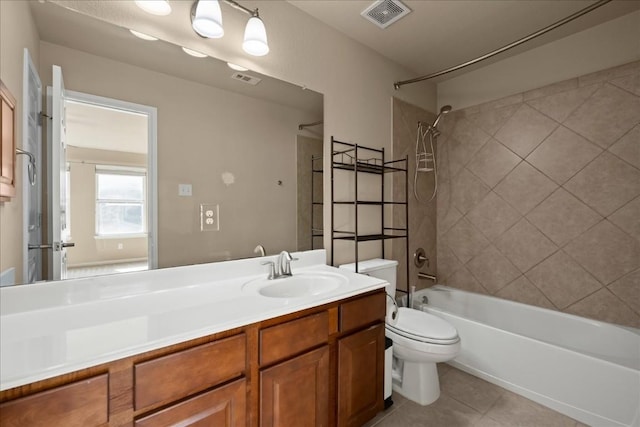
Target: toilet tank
(384,269)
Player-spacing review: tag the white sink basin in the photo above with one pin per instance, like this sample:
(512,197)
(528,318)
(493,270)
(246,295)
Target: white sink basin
(296,286)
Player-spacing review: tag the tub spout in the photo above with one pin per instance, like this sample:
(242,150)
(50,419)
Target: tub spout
(428,277)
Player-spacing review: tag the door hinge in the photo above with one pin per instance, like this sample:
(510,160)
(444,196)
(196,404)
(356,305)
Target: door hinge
(43,117)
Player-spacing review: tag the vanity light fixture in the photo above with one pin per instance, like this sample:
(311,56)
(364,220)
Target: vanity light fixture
(206,20)
(143,36)
(194,52)
(154,7)
(236,67)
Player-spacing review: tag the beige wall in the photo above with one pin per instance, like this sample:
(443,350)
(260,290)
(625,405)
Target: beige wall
(17,31)
(422,214)
(606,45)
(204,132)
(539,197)
(88,249)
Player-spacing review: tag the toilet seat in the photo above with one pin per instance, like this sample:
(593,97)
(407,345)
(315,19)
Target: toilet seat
(424,327)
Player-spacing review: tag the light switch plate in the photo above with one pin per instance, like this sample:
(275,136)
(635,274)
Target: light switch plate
(184,190)
(209,217)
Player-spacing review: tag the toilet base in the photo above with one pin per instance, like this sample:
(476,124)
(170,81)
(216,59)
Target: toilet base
(419,383)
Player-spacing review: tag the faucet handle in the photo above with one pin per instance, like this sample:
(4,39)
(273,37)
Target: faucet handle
(286,269)
(272,269)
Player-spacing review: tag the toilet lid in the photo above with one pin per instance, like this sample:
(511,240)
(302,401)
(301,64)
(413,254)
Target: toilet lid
(425,327)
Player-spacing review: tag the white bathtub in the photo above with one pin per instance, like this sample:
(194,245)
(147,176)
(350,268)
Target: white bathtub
(585,369)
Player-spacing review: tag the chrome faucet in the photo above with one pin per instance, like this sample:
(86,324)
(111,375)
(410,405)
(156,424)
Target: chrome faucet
(282,267)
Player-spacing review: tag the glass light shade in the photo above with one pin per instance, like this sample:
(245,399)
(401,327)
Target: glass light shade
(208,19)
(154,7)
(194,53)
(236,67)
(143,36)
(255,37)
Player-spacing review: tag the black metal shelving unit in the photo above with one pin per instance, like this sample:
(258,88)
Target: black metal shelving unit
(316,233)
(360,159)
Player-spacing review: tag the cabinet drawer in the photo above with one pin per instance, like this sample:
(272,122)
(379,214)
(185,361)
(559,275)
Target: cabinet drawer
(181,374)
(285,340)
(363,311)
(83,403)
(225,406)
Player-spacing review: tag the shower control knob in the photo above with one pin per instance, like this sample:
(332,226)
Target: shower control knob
(420,258)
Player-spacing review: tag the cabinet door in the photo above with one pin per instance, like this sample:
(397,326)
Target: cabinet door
(296,392)
(222,407)
(360,376)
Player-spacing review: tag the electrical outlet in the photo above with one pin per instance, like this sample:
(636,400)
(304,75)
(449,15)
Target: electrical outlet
(209,217)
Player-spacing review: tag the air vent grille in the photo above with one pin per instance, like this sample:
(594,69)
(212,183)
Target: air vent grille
(385,12)
(246,78)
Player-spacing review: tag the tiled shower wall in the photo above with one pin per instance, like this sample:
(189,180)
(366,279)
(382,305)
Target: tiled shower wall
(422,215)
(539,198)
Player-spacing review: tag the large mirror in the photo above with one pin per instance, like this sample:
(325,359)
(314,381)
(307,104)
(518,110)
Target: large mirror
(234,152)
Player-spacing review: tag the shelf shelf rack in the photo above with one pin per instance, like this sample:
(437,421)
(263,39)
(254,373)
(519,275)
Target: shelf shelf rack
(360,159)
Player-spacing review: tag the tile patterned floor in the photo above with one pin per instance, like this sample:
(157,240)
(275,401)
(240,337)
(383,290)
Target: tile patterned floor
(466,400)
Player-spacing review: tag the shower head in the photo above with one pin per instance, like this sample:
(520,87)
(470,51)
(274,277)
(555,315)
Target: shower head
(444,110)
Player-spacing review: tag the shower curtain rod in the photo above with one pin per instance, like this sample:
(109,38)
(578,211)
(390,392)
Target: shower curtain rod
(306,125)
(531,36)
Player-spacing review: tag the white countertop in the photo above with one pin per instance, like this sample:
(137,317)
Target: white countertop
(55,328)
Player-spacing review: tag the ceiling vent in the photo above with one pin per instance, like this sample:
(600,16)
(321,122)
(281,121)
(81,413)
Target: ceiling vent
(385,12)
(246,78)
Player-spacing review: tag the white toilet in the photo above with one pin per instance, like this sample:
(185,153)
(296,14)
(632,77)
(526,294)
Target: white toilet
(420,340)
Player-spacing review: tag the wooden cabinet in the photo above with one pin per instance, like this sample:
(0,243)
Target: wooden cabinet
(7,144)
(322,366)
(82,403)
(296,392)
(360,376)
(223,407)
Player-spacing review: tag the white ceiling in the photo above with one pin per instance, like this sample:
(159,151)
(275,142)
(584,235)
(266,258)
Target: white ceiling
(439,34)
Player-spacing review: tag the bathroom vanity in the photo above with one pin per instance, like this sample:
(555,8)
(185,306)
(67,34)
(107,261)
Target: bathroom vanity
(253,361)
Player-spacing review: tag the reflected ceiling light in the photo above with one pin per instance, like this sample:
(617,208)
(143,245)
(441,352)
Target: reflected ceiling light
(143,36)
(154,7)
(236,67)
(194,52)
(206,20)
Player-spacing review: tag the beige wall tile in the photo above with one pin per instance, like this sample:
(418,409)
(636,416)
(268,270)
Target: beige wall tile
(606,116)
(463,279)
(627,289)
(560,105)
(501,102)
(628,218)
(467,191)
(465,240)
(491,120)
(606,252)
(562,280)
(522,290)
(525,187)
(606,184)
(628,147)
(563,154)
(605,306)
(609,73)
(524,245)
(493,162)
(562,217)
(492,269)
(493,216)
(448,263)
(525,130)
(469,134)
(551,89)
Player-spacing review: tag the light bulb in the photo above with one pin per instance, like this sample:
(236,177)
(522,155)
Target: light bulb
(255,37)
(208,19)
(236,67)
